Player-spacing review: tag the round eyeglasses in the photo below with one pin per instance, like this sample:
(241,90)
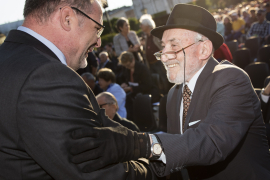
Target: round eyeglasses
(171,54)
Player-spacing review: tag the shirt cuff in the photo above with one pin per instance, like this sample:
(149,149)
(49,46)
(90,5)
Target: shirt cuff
(162,158)
(265,98)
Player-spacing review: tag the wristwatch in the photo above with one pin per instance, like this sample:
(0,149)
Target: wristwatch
(156,148)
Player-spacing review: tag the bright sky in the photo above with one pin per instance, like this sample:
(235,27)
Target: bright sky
(12,10)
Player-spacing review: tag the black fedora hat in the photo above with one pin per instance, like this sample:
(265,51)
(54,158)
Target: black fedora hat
(194,18)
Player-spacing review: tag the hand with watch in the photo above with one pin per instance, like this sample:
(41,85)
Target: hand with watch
(156,149)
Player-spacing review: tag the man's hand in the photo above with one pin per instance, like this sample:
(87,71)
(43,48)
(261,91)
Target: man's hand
(98,147)
(123,85)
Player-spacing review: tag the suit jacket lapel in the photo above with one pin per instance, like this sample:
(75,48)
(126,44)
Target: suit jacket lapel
(200,82)
(17,36)
(174,124)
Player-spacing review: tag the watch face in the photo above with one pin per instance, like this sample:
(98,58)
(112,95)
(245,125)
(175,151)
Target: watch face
(157,149)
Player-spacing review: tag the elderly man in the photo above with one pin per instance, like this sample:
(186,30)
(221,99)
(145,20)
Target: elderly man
(215,125)
(107,101)
(43,100)
(153,45)
(261,28)
(105,61)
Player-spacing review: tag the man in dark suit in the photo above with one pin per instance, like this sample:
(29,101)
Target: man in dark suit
(43,99)
(215,126)
(105,62)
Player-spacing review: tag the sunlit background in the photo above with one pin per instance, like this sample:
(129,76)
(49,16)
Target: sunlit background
(12,10)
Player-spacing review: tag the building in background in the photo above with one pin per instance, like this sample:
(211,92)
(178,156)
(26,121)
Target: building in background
(155,6)
(125,11)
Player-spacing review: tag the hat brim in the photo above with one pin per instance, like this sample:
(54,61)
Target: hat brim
(213,36)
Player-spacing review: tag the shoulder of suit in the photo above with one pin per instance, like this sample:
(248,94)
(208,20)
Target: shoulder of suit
(227,68)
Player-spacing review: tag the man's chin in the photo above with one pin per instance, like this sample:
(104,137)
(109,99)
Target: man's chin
(175,79)
(83,63)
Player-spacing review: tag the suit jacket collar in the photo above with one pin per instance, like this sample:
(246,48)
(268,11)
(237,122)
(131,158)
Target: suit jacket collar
(16,36)
(200,82)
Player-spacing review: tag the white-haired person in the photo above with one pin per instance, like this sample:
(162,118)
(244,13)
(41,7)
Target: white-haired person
(105,61)
(153,45)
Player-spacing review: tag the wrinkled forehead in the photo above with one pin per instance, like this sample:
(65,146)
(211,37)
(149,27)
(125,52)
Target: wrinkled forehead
(177,35)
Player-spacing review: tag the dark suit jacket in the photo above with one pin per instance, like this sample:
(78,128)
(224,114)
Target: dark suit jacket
(124,122)
(229,142)
(109,65)
(143,77)
(42,102)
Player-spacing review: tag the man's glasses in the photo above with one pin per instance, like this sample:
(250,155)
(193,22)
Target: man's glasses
(101,26)
(171,54)
(104,104)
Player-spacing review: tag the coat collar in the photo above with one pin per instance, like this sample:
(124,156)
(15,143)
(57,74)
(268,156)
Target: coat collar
(16,36)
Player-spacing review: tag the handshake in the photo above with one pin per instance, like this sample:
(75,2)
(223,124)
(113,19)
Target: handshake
(98,147)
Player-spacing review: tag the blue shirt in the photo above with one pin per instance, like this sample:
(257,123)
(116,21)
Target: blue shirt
(46,42)
(120,96)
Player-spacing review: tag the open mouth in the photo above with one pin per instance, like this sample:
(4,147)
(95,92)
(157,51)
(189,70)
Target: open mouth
(171,65)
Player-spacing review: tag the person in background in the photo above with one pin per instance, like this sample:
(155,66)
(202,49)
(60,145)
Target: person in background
(105,62)
(261,28)
(223,53)
(126,40)
(153,45)
(108,102)
(112,55)
(106,80)
(246,17)
(137,80)
(220,25)
(90,80)
(253,17)
(228,27)
(238,27)
(267,8)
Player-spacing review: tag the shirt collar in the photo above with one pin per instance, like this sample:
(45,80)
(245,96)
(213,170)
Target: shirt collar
(191,84)
(46,42)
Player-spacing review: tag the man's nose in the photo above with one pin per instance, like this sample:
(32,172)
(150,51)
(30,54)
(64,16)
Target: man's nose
(98,43)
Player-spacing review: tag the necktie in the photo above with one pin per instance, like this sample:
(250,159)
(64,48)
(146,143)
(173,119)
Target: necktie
(186,103)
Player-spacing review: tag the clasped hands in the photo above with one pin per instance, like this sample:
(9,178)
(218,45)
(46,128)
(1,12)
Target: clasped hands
(98,147)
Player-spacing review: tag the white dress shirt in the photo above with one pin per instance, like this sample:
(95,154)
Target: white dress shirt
(46,42)
(191,85)
(265,98)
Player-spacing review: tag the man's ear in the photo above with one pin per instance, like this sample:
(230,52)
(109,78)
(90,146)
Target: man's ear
(67,18)
(206,49)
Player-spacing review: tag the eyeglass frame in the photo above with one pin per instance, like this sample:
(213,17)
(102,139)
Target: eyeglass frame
(174,52)
(100,106)
(100,31)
